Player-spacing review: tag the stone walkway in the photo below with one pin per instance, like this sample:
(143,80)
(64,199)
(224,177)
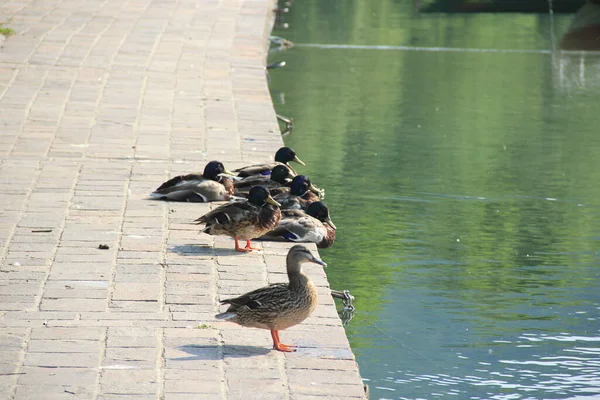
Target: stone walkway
(101,101)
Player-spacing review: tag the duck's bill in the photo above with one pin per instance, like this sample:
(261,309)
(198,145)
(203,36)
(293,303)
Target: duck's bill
(330,222)
(299,161)
(318,191)
(320,262)
(271,200)
(314,189)
(227,172)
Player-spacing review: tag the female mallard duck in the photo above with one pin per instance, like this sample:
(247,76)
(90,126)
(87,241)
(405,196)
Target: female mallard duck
(280,305)
(281,176)
(244,220)
(300,195)
(283,156)
(197,188)
(314,226)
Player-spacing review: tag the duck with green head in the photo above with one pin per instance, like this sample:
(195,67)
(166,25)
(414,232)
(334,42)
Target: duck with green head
(211,185)
(313,226)
(300,195)
(284,156)
(280,176)
(280,305)
(244,220)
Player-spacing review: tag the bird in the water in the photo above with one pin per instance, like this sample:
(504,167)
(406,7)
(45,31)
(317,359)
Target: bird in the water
(244,220)
(312,226)
(300,195)
(284,155)
(280,305)
(281,176)
(211,185)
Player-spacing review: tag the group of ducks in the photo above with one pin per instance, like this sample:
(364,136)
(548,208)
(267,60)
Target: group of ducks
(278,204)
(269,202)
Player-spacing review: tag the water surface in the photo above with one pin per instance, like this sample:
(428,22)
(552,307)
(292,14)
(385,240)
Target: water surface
(465,188)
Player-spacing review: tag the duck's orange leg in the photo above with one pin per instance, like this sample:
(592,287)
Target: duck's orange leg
(240,249)
(277,345)
(249,246)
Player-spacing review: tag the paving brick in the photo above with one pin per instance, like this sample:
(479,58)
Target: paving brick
(136,306)
(57,376)
(63,346)
(52,360)
(196,386)
(132,337)
(136,291)
(128,382)
(79,304)
(87,334)
(53,391)
(138,357)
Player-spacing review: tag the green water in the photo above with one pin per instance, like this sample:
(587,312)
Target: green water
(465,187)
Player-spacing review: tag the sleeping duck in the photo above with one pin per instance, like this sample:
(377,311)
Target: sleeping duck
(300,195)
(314,226)
(283,156)
(281,176)
(211,185)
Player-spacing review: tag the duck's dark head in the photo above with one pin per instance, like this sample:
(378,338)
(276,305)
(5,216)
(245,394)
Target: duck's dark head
(285,155)
(259,196)
(320,211)
(300,185)
(213,169)
(281,174)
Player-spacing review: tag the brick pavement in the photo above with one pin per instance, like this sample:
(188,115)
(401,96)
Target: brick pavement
(100,101)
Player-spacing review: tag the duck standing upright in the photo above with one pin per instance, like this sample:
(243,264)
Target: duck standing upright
(244,220)
(283,156)
(313,226)
(197,188)
(280,305)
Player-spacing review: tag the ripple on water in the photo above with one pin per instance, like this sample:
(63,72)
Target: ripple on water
(563,373)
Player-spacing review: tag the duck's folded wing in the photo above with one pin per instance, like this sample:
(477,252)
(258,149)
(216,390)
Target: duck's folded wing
(305,229)
(261,298)
(289,201)
(191,188)
(231,212)
(256,169)
(179,180)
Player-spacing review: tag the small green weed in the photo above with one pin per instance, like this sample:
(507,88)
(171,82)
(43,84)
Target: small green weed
(204,326)
(6,31)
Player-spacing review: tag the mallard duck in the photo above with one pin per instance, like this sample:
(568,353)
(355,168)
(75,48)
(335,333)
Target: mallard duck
(280,177)
(300,195)
(283,156)
(280,305)
(244,220)
(197,188)
(314,226)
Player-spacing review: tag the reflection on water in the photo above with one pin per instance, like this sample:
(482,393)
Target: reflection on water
(466,189)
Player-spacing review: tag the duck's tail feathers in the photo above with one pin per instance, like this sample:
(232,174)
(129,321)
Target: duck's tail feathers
(226,315)
(156,195)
